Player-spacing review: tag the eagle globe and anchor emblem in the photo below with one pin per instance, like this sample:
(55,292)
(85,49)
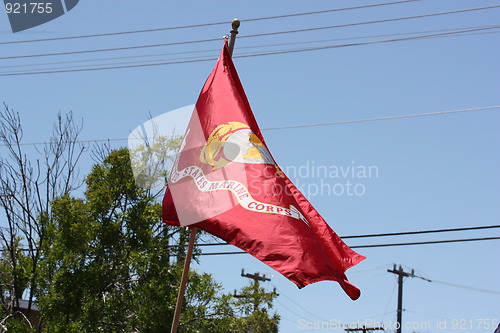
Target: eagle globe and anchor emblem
(227,143)
(234,142)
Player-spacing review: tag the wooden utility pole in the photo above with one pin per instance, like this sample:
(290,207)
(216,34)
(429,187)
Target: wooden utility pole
(402,274)
(257,278)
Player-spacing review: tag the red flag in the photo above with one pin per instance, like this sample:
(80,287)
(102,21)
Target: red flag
(226,181)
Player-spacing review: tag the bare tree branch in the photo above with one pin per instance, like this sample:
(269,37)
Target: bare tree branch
(30,179)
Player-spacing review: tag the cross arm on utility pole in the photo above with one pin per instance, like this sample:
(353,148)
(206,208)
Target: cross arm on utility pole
(255,277)
(363,329)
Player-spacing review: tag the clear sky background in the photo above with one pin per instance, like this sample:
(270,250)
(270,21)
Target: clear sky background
(433,172)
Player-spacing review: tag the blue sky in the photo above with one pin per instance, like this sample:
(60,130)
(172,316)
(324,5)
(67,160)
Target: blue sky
(432,172)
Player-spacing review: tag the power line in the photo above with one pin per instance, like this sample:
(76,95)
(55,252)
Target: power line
(250,36)
(206,24)
(292,311)
(111,49)
(457,33)
(370,22)
(424,231)
(74,141)
(298,304)
(355,246)
(83,67)
(300,126)
(446,34)
(426,242)
(457,285)
(382,245)
(382,118)
(404,233)
(247,47)
(110,67)
(467,287)
(197,59)
(389,302)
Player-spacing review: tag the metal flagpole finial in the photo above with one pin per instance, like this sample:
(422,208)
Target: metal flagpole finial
(235,24)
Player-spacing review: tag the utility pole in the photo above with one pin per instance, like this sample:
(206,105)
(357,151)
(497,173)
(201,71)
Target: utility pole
(401,274)
(364,329)
(257,278)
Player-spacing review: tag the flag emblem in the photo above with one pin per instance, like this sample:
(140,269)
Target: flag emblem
(234,142)
(245,147)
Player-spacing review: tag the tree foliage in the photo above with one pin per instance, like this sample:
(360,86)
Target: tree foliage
(113,266)
(101,261)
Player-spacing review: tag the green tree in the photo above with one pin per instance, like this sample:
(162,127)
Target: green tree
(111,265)
(253,305)
(103,262)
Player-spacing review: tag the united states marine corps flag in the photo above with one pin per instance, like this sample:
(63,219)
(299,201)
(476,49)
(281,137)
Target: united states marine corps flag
(226,182)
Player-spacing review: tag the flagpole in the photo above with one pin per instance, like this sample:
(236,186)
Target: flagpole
(182,287)
(235,24)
